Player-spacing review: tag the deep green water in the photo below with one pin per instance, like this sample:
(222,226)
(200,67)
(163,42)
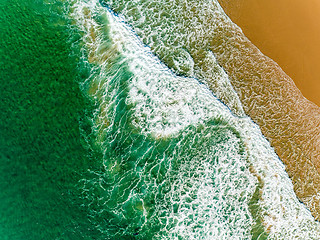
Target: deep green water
(42,152)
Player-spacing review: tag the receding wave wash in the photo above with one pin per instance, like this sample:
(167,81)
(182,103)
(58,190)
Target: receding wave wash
(176,162)
(191,37)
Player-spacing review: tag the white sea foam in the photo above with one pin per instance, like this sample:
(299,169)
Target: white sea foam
(187,50)
(164,105)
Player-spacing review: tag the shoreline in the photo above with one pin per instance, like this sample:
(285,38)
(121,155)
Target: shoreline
(288,32)
(270,97)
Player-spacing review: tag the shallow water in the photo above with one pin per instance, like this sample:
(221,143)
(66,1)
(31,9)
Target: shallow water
(158,129)
(203,38)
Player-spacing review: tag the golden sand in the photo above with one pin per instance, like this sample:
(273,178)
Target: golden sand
(288,31)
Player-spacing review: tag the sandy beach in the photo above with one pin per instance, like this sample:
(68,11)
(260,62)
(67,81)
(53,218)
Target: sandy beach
(288,32)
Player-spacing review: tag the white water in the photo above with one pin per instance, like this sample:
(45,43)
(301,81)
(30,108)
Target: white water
(164,105)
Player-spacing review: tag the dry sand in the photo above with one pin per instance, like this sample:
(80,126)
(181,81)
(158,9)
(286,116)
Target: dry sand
(288,31)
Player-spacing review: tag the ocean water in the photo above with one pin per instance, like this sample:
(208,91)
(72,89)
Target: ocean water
(106,136)
(42,153)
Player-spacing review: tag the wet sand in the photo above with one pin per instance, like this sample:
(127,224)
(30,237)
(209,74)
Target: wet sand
(269,96)
(287,31)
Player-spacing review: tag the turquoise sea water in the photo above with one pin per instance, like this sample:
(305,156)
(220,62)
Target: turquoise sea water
(103,137)
(42,155)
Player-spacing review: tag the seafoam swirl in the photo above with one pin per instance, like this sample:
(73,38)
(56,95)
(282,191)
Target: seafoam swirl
(177,164)
(198,31)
